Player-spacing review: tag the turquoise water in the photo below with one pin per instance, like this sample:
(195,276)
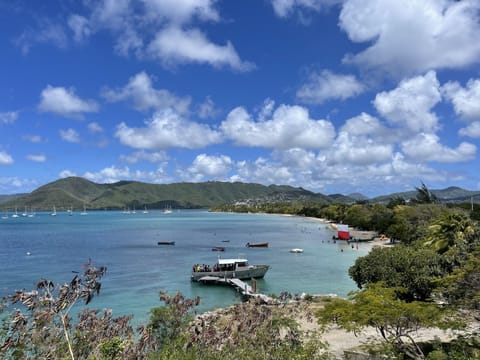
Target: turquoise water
(53,247)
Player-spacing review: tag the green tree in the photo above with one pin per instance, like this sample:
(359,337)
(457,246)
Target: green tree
(396,321)
(425,196)
(415,270)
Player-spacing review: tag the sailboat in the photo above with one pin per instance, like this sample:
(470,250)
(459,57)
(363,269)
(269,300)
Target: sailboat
(25,213)
(84,212)
(54,212)
(145,211)
(16,214)
(167,210)
(5,215)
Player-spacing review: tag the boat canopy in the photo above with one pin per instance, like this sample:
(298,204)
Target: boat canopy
(231,261)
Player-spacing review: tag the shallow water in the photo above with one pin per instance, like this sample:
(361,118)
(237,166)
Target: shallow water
(53,247)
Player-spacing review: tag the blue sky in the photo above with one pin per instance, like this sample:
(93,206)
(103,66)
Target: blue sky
(335,96)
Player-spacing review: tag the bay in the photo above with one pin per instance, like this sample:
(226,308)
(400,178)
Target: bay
(50,247)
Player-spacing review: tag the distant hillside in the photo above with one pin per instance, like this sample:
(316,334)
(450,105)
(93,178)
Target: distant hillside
(7,198)
(451,194)
(76,192)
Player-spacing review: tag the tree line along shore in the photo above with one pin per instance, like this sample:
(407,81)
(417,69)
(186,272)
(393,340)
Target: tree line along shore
(418,299)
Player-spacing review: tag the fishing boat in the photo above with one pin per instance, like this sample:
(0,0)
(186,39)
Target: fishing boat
(166,243)
(296,250)
(237,268)
(218,248)
(263,244)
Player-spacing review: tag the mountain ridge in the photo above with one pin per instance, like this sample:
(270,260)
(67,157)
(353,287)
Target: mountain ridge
(77,192)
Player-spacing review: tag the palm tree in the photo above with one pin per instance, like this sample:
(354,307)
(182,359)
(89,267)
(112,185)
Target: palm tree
(425,196)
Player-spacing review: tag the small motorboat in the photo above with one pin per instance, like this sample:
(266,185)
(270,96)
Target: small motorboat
(166,243)
(218,248)
(296,251)
(249,244)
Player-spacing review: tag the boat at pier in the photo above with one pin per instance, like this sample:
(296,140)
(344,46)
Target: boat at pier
(229,268)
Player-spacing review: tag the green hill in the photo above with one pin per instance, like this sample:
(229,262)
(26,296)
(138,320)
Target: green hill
(76,192)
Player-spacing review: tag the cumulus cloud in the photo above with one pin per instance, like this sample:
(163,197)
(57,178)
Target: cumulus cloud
(142,155)
(327,85)
(44,32)
(80,27)
(174,45)
(69,135)
(33,138)
(211,167)
(65,102)
(181,11)
(285,8)
(16,184)
(207,109)
(363,124)
(8,117)
(66,173)
(94,128)
(113,174)
(358,150)
(472,130)
(37,158)
(445,34)
(167,129)
(144,96)
(410,104)
(5,158)
(427,147)
(465,100)
(290,127)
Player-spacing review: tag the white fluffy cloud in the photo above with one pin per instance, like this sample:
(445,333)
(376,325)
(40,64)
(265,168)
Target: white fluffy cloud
(327,85)
(80,27)
(8,117)
(65,102)
(412,36)
(472,130)
(410,104)
(69,135)
(284,8)
(181,11)
(358,150)
(37,158)
(45,32)
(144,96)
(174,45)
(427,147)
(466,100)
(167,129)
(142,155)
(167,22)
(363,124)
(94,128)
(113,174)
(211,167)
(290,127)
(5,158)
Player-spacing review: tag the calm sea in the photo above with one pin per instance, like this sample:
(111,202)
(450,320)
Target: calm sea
(52,247)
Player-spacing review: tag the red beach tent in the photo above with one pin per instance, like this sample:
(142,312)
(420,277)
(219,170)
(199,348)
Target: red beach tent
(343,233)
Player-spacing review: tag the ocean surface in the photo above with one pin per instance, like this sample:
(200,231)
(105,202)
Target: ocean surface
(50,247)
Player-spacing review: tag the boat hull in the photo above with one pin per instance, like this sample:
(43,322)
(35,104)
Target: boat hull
(254,271)
(265,244)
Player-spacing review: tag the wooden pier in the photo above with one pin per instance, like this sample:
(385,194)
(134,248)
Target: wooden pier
(242,287)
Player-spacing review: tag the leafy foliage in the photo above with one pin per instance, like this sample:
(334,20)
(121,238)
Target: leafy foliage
(417,271)
(396,320)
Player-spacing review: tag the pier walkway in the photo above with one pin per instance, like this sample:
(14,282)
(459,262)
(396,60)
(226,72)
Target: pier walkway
(241,286)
